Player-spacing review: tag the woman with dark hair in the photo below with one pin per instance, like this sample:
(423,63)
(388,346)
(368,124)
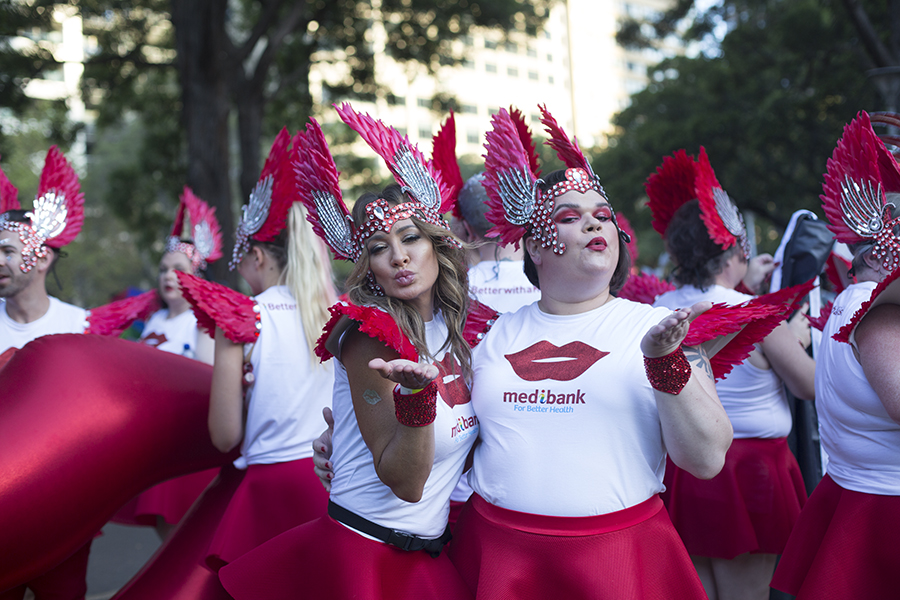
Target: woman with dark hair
(844,543)
(735,524)
(403,421)
(573,434)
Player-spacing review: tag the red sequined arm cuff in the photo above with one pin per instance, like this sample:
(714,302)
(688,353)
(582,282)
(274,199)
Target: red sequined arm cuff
(669,373)
(418,409)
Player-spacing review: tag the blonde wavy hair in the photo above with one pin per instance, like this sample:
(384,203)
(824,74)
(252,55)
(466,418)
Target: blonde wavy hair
(306,271)
(451,290)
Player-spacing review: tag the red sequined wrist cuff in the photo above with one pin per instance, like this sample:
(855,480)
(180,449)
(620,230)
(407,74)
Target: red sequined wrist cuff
(416,410)
(669,373)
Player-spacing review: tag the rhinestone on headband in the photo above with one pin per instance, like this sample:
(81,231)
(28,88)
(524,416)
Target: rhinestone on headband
(175,244)
(48,219)
(543,228)
(381,216)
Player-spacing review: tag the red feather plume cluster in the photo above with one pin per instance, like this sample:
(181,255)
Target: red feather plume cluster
(59,177)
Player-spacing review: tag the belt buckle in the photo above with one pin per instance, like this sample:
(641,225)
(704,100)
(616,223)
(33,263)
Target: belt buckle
(396,536)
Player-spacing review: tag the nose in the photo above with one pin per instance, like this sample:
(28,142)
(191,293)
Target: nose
(591,223)
(399,257)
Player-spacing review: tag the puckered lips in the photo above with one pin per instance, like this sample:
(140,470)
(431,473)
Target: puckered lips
(451,386)
(543,360)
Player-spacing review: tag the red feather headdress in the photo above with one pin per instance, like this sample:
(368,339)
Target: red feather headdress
(517,203)
(58,211)
(860,172)
(9,195)
(205,233)
(265,214)
(680,179)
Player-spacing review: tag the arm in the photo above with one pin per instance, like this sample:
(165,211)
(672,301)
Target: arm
(876,338)
(403,456)
(206,348)
(790,361)
(695,428)
(226,398)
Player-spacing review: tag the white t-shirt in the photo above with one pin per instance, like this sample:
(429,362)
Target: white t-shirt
(356,485)
(569,423)
(59,318)
(861,440)
(754,398)
(177,335)
(502,285)
(284,405)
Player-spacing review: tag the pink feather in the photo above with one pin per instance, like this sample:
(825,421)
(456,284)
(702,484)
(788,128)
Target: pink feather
(704,185)
(59,177)
(527,138)
(278,166)
(314,170)
(567,150)
(669,188)
(504,152)
(9,195)
(115,317)
(200,212)
(215,305)
(644,288)
(443,154)
(386,141)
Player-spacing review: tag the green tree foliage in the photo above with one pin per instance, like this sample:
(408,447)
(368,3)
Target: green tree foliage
(768,104)
(205,69)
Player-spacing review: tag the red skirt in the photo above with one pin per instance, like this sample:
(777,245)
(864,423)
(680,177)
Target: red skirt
(270,500)
(323,559)
(843,546)
(170,500)
(751,506)
(630,554)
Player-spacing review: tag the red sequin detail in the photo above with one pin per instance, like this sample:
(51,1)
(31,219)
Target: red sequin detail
(416,410)
(669,373)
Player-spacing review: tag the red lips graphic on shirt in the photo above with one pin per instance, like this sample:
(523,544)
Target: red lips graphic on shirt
(450,383)
(155,339)
(543,360)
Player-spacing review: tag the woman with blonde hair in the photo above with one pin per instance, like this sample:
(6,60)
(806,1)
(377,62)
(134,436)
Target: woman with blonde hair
(267,392)
(403,421)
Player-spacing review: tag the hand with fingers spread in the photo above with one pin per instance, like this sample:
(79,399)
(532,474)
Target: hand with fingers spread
(408,374)
(665,337)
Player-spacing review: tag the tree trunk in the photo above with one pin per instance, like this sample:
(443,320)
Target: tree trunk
(201,46)
(250,106)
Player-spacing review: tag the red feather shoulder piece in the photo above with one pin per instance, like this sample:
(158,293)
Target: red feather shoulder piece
(479,321)
(215,305)
(670,187)
(443,155)
(751,321)
(644,288)
(115,317)
(59,178)
(888,291)
(9,195)
(374,322)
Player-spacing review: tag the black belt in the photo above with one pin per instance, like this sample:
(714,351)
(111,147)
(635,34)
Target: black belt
(404,541)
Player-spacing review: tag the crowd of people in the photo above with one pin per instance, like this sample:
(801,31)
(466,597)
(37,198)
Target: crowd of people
(502,421)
